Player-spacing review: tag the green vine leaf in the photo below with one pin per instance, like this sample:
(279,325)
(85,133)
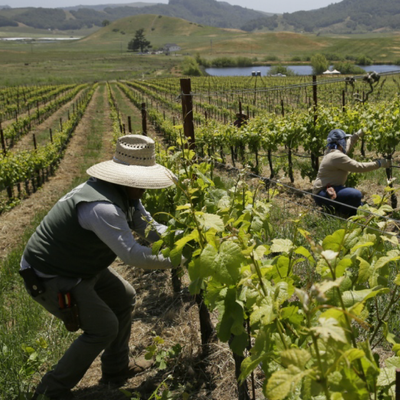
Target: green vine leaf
(334,242)
(223,264)
(284,382)
(281,245)
(264,313)
(297,357)
(352,297)
(328,328)
(210,221)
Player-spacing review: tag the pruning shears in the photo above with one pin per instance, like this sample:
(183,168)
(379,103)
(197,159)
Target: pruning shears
(64,300)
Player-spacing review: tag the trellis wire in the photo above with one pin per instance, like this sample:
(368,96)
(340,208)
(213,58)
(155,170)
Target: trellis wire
(268,181)
(280,88)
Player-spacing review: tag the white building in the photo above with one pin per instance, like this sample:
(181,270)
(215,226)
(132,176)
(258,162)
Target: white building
(170,47)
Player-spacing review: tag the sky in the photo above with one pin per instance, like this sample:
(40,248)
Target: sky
(271,6)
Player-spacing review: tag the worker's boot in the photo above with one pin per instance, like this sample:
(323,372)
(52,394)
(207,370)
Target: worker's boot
(134,367)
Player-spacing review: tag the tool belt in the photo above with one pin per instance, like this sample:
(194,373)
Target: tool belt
(33,283)
(68,307)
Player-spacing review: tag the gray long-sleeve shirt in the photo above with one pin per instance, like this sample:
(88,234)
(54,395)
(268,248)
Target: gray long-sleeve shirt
(109,223)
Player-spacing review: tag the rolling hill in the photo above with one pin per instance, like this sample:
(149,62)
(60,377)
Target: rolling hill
(101,7)
(211,42)
(207,12)
(347,16)
(344,17)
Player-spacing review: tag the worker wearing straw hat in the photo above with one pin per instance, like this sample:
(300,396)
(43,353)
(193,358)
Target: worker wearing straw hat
(329,186)
(66,262)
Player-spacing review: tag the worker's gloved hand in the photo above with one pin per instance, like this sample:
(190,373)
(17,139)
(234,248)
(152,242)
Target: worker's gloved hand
(384,163)
(360,132)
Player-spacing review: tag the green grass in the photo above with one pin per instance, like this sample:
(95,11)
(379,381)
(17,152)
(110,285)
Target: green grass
(27,330)
(126,111)
(31,340)
(103,54)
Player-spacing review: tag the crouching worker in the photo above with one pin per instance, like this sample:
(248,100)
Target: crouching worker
(329,186)
(66,262)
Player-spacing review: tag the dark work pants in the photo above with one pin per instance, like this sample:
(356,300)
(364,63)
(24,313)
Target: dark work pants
(346,195)
(105,305)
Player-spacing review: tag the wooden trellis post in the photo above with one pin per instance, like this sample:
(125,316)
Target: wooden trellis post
(144,119)
(187,111)
(314,157)
(3,142)
(34,141)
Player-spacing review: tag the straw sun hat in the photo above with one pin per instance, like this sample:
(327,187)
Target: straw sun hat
(134,165)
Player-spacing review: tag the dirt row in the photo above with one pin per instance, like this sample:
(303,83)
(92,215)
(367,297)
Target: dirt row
(158,312)
(26,142)
(43,199)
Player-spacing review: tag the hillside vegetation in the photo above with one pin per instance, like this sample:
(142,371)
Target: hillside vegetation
(208,12)
(347,16)
(213,42)
(104,54)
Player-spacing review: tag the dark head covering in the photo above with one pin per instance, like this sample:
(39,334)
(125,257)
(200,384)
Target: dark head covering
(336,138)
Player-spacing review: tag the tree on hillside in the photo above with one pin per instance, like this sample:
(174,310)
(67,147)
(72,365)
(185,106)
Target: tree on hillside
(139,42)
(319,64)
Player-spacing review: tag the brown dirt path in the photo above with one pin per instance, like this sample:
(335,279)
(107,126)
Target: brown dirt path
(26,142)
(174,318)
(14,222)
(158,312)
(133,111)
(5,123)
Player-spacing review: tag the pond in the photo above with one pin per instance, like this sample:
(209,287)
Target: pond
(297,69)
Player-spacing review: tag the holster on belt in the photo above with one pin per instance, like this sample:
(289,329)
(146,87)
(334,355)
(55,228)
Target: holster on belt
(33,283)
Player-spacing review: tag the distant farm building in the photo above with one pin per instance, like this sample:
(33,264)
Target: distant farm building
(170,47)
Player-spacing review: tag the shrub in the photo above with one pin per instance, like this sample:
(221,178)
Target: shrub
(348,68)
(363,60)
(202,61)
(244,62)
(190,67)
(319,63)
(221,62)
(280,69)
(333,57)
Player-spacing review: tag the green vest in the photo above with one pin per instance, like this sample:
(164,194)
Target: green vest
(60,246)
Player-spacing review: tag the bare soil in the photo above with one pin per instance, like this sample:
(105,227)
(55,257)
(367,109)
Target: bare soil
(158,312)
(174,318)
(26,142)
